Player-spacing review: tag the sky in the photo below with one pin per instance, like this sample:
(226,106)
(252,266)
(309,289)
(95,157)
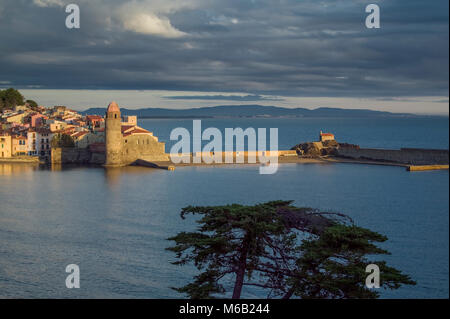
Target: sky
(193,53)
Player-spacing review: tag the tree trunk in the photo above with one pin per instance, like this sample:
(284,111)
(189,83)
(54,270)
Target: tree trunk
(240,273)
(289,294)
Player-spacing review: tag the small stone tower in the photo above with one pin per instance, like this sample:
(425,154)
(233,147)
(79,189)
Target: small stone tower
(113,132)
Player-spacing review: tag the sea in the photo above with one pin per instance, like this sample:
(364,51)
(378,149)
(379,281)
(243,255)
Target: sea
(115,223)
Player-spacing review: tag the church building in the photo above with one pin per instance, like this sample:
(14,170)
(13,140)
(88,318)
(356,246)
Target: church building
(126,142)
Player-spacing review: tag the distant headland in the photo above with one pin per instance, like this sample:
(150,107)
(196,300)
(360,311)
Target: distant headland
(249,111)
(59,135)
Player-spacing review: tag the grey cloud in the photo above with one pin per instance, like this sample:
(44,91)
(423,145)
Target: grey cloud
(292,48)
(241,98)
(441,101)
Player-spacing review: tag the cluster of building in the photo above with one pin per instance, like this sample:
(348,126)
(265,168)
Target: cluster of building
(26,131)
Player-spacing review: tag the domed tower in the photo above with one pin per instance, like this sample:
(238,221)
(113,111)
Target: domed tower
(113,132)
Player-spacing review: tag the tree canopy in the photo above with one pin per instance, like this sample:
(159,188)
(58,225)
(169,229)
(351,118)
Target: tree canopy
(62,140)
(10,98)
(32,104)
(284,250)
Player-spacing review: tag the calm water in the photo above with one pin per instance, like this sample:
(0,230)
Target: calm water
(114,223)
(391,133)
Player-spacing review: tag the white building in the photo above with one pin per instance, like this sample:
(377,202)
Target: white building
(31,142)
(43,143)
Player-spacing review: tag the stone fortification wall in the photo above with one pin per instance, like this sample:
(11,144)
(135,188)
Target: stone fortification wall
(413,156)
(143,147)
(76,156)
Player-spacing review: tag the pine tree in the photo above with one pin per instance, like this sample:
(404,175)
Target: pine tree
(10,98)
(285,250)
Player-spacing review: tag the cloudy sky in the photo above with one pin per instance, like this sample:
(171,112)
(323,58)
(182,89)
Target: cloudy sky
(189,53)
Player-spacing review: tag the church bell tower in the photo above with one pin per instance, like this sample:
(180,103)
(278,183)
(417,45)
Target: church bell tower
(113,132)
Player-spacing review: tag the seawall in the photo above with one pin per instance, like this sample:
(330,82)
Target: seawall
(412,156)
(419,168)
(76,156)
(20,159)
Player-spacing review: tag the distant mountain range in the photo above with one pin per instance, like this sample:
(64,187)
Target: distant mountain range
(248,111)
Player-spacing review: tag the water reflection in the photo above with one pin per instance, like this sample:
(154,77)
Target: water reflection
(114,222)
(56,167)
(8,169)
(114,175)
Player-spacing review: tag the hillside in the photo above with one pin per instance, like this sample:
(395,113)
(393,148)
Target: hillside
(247,111)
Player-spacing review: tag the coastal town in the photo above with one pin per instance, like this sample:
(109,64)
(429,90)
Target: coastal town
(60,135)
(27,131)
(30,132)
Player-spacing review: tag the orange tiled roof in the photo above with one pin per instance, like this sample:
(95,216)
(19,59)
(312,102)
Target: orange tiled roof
(69,130)
(136,131)
(79,134)
(44,131)
(125,128)
(94,117)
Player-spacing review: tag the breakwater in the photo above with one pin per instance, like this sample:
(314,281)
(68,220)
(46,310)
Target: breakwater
(412,156)
(21,159)
(419,168)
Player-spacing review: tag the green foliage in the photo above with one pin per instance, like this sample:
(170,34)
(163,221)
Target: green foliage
(204,286)
(333,265)
(289,251)
(62,140)
(32,104)
(231,239)
(10,98)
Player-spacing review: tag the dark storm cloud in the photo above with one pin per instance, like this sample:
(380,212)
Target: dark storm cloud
(239,98)
(289,47)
